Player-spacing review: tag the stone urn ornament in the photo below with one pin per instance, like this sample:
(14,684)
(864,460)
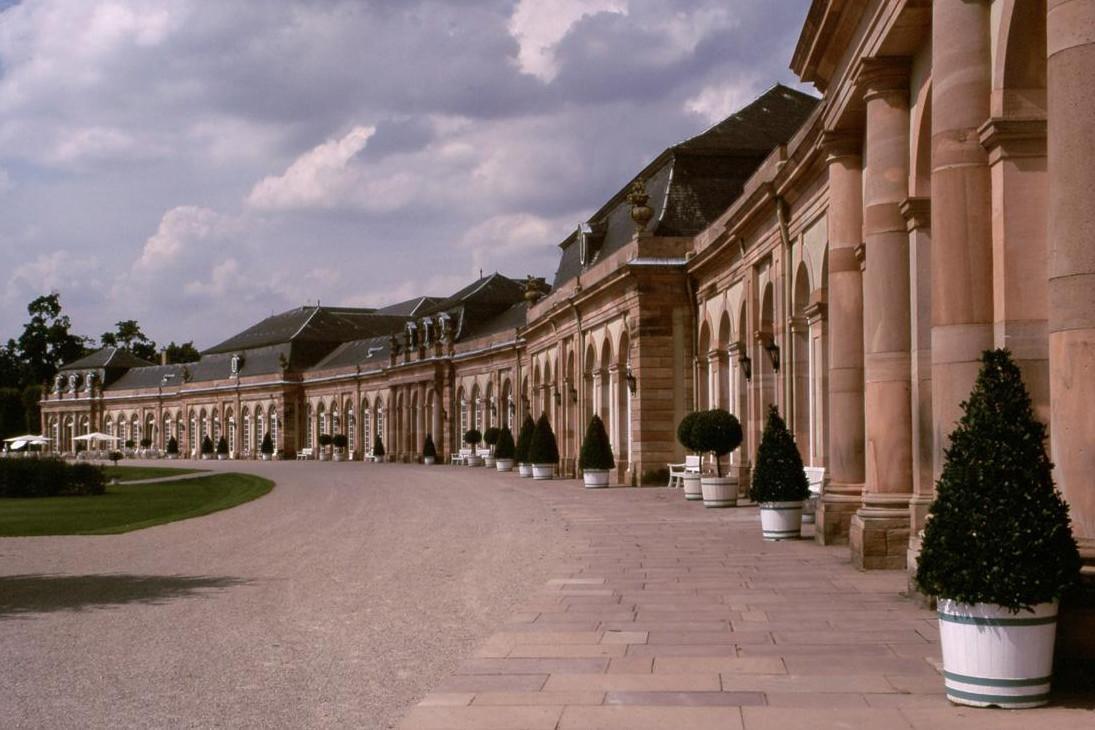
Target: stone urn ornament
(641,213)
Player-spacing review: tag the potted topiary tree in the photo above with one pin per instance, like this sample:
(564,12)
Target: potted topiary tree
(490,438)
(472,438)
(266,448)
(543,451)
(717,432)
(378,449)
(779,482)
(129,446)
(595,459)
(172,448)
(222,448)
(504,450)
(146,444)
(691,479)
(207,447)
(115,457)
(324,440)
(524,439)
(429,451)
(340,442)
(998,549)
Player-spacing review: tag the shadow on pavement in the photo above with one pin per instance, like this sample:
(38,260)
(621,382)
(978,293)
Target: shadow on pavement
(30,594)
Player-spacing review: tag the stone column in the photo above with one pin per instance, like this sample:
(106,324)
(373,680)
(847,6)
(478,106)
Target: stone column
(845,460)
(613,421)
(961,205)
(817,339)
(917,213)
(714,378)
(879,531)
(1071,232)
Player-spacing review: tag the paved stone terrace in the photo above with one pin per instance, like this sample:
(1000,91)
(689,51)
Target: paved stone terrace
(667,615)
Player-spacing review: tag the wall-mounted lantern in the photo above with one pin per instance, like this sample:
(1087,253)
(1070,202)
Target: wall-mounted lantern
(746,366)
(632,381)
(773,354)
(558,399)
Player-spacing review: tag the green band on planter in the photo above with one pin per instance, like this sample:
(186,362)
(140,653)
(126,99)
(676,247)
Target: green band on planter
(783,509)
(994,682)
(1002,700)
(981,621)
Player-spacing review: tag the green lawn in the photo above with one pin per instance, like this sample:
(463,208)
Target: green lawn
(127,507)
(137,473)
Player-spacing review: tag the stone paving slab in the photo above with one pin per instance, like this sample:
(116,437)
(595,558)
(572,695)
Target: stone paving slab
(668,615)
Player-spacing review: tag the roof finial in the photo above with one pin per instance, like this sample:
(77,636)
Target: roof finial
(640,211)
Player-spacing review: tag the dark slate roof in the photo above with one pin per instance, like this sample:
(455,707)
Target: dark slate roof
(509,319)
(369,353)
(148,377)
(108,357)
(311,324)
(488,291)
(410,307)
(691,183)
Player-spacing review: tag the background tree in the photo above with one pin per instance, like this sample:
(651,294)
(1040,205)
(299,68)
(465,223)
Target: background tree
(47,341)
(186,352)
(32,411)
(12,415)
(128,335)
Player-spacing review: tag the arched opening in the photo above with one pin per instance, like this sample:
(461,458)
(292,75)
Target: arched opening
(801,374)
(366,427)
(703,368)
(763,358)
(601,379)
(623,400)
(723,398)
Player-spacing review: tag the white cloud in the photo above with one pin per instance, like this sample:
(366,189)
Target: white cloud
(185,231)
(538,26)
(61,270)
(5,181)
(718,101)
(320,178)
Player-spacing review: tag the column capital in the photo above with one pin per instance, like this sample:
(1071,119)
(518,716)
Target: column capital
(816,312)
(917,212)
(1010,138)
(882,76)
(839,143)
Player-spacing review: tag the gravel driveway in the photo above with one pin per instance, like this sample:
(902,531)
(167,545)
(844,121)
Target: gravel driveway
(337,600)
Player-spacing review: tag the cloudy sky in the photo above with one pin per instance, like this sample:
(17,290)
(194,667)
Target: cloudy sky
(199,164)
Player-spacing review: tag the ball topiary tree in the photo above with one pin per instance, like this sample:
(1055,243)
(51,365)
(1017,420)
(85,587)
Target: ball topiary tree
(146,442)
(340,441)
(378,446)
(490,437)
(222,446)
(716,432)
(778,475)
(129,444)
(596,450)
(472,437)
(998,531)
(267,445)
(207,445)
(684,431)
(524,439)
(173,446)
(325,439)
(542,448)
(505,447)
(429,451)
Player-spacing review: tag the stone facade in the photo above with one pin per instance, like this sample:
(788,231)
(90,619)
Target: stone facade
(846,259)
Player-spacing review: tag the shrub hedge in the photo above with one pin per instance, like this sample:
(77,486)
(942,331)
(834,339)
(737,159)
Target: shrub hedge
(429,450)
(378,446)
(172,445)
(778,475)
(505,447)
(542,448)
(596,450)
(524,438)
(207,445)
(49,478)
(222,446)
(267,445)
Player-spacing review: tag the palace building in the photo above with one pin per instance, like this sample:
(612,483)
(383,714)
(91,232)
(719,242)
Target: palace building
(846,258)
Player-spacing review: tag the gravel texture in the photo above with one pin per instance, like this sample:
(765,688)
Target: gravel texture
(337,600)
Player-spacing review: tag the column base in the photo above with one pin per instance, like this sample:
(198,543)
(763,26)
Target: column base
(879,533)
(834,513)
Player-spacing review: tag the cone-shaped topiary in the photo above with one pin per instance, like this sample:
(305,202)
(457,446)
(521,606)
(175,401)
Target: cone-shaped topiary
(145,442)
(524,439)
(429,451)
(542,448)
(490,436)
(207,445)
(998,530)
(173,446)
(684,431)
(717,432)
(505,448)
(472,437)
(778,475)
(222,446)
(596,450)
(378,446)
(267,445)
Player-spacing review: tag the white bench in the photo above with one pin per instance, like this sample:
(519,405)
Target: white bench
(460,458)
(815,475)
(304,454)
(677,471)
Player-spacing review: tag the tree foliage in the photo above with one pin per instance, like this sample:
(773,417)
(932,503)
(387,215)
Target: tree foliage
(186,352)
(717,432)
(44,346)
(472,437)
(429,450)
(684,430)
(267,445)
(542,447)
(378,446)
(778,475)
(998,530)
(596,450)
(524,438)
(128,335)
(13,417)
(505,448)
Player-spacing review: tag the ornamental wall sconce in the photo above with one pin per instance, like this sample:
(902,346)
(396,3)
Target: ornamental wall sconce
(746,366)
(773,354)
(558,399)
(573,394)
(632,381)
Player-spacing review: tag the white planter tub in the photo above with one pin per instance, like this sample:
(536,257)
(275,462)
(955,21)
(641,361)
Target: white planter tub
(693,492)
(543,471)
(524,470)
(781,520)
(993,657)
(719,491)
(475,461)
(503,464)
(490,462)
(595,478)
(429,460)
(266,457)
(222,457)
(339,456)
(378,459)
